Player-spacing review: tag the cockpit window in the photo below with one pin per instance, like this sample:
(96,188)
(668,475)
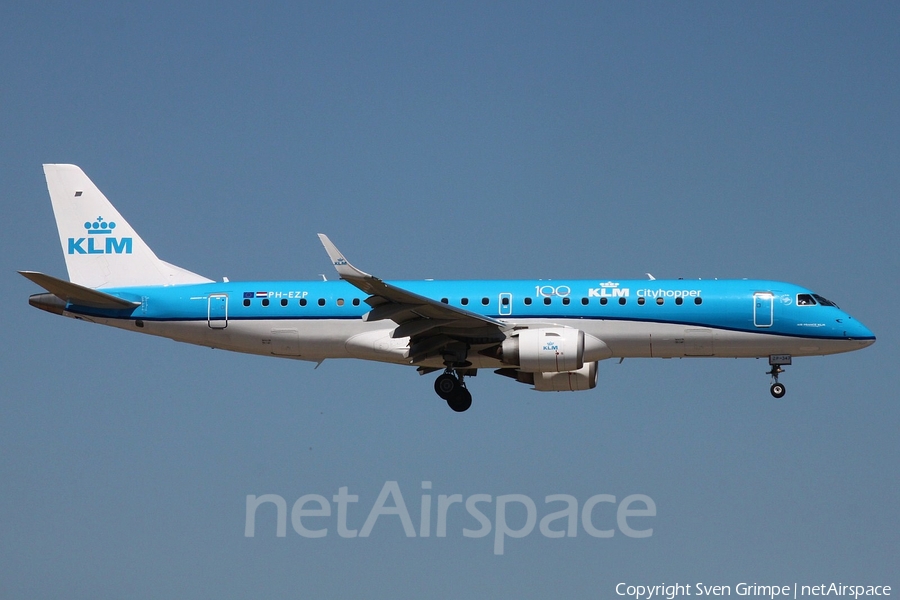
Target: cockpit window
(805,300)
(824,301)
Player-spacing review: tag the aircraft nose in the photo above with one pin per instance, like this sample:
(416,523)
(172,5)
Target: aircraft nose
(858,332)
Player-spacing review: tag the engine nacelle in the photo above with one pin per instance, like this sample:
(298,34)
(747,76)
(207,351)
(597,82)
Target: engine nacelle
(552,350)
(584,378)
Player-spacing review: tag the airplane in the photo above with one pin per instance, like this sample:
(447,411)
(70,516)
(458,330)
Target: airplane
(550,335)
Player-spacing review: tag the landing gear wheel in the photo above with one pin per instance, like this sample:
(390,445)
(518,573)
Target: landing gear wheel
(446,386)
(461,400)
(450,387)
(776,361)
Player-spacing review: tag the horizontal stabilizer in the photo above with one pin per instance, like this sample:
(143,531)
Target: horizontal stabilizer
(76,294)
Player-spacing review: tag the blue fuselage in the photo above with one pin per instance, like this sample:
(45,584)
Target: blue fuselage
(634,317)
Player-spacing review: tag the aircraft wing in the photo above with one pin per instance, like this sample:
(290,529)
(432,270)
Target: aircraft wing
(433,327)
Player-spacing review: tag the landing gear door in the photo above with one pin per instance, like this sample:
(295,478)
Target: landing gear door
(763,309)
(217,316)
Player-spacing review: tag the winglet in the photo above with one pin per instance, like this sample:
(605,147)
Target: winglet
(344,268)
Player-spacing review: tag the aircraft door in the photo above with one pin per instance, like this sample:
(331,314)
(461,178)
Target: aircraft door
(217,315)
(763,309)
(505,304)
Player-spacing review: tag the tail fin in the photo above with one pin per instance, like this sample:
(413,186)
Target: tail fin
(100,247)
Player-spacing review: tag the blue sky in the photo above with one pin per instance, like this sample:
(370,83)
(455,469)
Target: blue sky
(507,140)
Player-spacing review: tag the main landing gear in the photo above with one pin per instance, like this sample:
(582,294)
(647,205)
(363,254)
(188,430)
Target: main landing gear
(776,361)
(451,387)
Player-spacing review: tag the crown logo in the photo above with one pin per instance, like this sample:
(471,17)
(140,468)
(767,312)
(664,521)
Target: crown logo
(609,284)
(99,227)
(340,262)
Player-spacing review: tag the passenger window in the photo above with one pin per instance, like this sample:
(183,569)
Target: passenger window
(321,301)
(445,301)
(485,301)
(660,300)
(566,301)
(265,302)
(603,301)
(284,301)
(698,301)
(302,301)
(527,301)
(584,301)
(356,302)
(505,301)
(246,302)
(464,301)
(622,301)
(547,300)
(679,300)
(340,301)
(640,301)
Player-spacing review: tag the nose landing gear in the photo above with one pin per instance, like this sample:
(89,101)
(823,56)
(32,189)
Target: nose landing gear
(778,390)
(451,387)
(776,361)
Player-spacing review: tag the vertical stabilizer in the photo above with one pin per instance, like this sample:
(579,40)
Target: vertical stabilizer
(100,247)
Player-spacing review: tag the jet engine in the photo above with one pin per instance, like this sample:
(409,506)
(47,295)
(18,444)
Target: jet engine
(550,350)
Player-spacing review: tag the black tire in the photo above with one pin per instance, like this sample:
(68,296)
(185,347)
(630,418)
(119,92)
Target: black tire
(461,401)
(446,386)
(778,390)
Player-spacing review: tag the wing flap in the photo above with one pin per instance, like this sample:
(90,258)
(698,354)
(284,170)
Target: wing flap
(394,312)
(419,326)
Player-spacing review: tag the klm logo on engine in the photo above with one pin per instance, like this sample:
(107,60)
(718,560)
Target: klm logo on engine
(94,243)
